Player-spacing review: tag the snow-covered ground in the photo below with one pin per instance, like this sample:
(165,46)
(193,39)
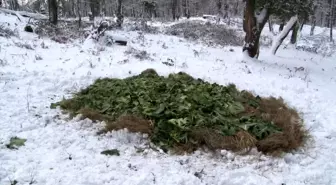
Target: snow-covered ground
(60,152)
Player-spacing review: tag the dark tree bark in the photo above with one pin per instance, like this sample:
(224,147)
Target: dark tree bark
(14,5)
(188,9)
(282,25)
(178,9)
(73,8)
(79,14)
(184,8)
(149,9)
(64,8)
(197,8)
(332,9)
(120,17)
(226,11)
(174,9)
(235,9)
(53,11)
(295,30)
(219,5)
(313,26)
(252,28)
(303,23)
(103,9)
(270,26)
(313,20)
(95,9)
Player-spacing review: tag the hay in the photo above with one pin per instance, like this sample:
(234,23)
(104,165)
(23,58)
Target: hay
(293,134)
(131,123)
(214,140)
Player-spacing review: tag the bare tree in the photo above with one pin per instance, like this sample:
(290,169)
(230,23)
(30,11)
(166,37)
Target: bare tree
(282,25)
(149,8)
(187,8)
(95,8)
(14,5)
(295,30)
(79,13)
(53,11)
(313,20)
(174,9)
(253,27)
(219,5)
(332,12)
(120,17)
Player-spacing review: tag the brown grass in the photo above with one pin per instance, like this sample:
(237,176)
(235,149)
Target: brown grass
(293,134)
(93,115)
(214,140)
(132,123)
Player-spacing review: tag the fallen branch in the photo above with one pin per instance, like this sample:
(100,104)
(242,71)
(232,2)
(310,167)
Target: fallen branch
(21,14)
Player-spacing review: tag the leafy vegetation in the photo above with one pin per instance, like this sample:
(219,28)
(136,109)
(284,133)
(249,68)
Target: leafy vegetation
(111,152)
(184,113)
(15,143)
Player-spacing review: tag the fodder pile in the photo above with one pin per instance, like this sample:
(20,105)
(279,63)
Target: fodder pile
(182,113)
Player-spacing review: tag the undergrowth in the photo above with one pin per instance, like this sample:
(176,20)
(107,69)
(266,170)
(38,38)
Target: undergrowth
(210,34)
(183,113)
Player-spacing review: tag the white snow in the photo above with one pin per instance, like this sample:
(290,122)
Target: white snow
(60,152)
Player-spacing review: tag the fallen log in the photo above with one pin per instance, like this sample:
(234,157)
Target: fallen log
(121,42)
(117,39)
(20,14)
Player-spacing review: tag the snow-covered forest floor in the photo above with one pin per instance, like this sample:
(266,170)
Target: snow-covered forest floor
(35,72)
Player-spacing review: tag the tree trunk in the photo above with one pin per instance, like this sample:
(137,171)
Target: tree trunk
(219,5)
(301,26)
(120,17)
(188,8)
(14,5)
(73,8)
(270,26)
(79,14)
(331,19)
(235,10)
(312,28)
(226,11)
(103,8)
(276,43)
(95,8)
(184,8)
(53,10)
(178,9)
(174,8)
(197,8)
(313,20)
(295,29)
(281,27)
(253,28)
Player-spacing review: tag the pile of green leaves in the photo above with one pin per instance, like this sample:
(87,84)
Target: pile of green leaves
(177,104)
